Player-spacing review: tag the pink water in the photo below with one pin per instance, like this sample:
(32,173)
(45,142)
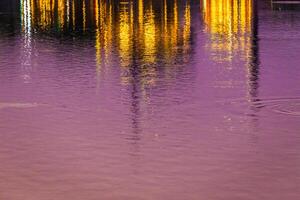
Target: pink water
(150,100)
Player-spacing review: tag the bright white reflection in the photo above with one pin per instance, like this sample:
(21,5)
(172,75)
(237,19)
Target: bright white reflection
(27,45)
(26,16)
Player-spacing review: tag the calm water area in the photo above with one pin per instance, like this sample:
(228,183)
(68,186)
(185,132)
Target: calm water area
(149,100)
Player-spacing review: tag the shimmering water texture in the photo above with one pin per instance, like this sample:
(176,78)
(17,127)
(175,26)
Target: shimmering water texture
(149,100)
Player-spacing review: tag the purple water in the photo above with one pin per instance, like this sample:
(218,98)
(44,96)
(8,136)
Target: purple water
(171,99)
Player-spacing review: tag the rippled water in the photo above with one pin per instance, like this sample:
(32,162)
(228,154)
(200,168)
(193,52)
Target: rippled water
(148,99)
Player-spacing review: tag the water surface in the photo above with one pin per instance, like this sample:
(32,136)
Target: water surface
(147,99)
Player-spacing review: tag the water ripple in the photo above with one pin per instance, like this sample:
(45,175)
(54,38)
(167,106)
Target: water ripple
(279,105)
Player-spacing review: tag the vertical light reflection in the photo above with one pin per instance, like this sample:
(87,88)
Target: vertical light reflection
(167,32)
(140,23)
(26,17)
(98,37)
(150,44)
(165,15)
(61,13)
(108,33)
(125,34)
(26,53)
(229,26)
(136,29)
(232,29)
(170,31)
(175,25)
(73,15)
(150,36)
(48,13)
(83,15)
(104,32)
(68,11)
(141,13)
(187,28)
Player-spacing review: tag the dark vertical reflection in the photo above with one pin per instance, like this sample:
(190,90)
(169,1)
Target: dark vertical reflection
(135,102)
(254,59)
(254,67)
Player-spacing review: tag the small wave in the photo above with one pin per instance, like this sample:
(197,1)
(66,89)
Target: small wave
(18,105)
(286,106)
(291,108)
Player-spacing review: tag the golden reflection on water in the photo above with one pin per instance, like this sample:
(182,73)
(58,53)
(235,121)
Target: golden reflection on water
(83,15)
(232,36)
(147,33)
(187,27)
(229,24)
(103,37)
(150,36)
(137,27)
(125,33)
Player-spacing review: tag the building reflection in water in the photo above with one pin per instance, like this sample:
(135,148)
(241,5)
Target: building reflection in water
(232,31)
(233,34)
(148,38)
(229,24)
(144,31)
(145,38)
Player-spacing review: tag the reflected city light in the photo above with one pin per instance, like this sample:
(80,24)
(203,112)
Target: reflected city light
(149,99)
(26,13)
(26,16)
(137,31)
(149,36)
(137,27)
(229,24)
(144,32)
(231,29)
(125,33)
(187,29)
